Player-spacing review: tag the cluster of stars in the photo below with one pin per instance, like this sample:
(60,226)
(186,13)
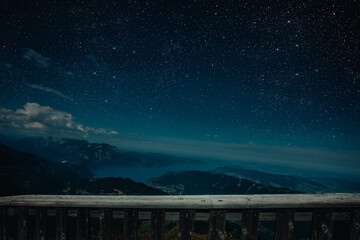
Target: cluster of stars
(240,71)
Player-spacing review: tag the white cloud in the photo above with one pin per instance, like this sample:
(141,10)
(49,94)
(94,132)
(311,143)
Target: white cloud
(45,120)
(49,90)
(34,125)
(36,58)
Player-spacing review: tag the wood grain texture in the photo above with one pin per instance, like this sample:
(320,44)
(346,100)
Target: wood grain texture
(266,201)
(157,224)
(217,225)
(355,226)
(3,215)
(82,232)
(249,224)
(61,223)
(321,224)
(284,224)
(105,221)
(41,215)
(186,225)
(22,218)
(130,224)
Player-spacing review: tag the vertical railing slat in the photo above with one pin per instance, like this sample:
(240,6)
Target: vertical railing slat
(41,214)
(186,225)
(157,224)
(284,224)
(130,224)
(355,228)
(217,225)
(61,217)
(105,221)
(82,224)
(249,222)
(3,215)
(22,215)
(321,224)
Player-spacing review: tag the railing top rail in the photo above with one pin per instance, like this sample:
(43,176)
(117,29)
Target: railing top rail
(264,201)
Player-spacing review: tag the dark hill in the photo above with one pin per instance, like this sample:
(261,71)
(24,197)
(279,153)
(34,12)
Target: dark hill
(23,173)
(275,180)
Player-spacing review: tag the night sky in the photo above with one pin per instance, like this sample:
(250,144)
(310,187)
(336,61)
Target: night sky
(187,77)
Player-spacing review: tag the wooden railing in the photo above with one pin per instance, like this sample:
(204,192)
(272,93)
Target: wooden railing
(285,210)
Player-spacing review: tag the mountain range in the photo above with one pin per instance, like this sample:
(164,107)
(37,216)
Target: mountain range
(200,183)
(92,155)
(65,166)
(24,173)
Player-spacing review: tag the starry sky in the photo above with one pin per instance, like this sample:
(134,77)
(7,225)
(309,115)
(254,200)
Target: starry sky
(166,75)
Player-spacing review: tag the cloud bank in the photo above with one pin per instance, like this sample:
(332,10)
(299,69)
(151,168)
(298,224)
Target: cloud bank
(44,120)
(49,90)
(278,158)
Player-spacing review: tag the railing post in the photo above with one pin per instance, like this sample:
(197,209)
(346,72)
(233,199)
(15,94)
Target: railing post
(186,225)
(284,224)
(41,214)
(157,224)
(82,224)
(355,228)
(321,224)
(105,221)
(3,214)
(249,222)
(61,217)
(217,225)
(22,213)
(130,224)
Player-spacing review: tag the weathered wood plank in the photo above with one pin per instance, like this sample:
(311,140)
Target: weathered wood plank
(22,217)
(105,220)
(3,213)
(249,222)
(202,216)
(82,232)
(266,201)
(288,201)
(355,227)
(186,225)
(284,224)
(130,224)
(61,221)
(157,224)
(41,214)
(217,225)
(321,224)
